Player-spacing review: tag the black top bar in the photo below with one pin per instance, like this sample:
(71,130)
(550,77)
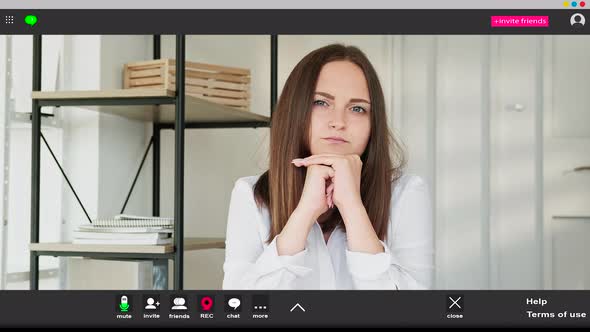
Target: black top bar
(292,21)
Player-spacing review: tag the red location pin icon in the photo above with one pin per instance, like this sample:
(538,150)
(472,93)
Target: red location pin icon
(206,303)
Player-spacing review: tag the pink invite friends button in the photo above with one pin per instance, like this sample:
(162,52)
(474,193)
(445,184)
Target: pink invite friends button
(520,21)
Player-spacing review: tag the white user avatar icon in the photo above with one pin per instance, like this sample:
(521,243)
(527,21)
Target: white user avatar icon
(577,20)
(179,304)
(150,304)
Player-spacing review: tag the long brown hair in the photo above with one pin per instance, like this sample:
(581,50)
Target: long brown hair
(280,187)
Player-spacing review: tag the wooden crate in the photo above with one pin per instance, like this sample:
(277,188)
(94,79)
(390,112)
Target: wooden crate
(224,85)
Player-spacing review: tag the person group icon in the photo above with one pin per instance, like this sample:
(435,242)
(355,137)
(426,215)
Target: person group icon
(179,304)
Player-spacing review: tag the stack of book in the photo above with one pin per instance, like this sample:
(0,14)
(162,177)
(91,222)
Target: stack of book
(126,229)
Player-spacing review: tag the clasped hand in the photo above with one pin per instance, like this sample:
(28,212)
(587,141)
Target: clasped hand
(331,180)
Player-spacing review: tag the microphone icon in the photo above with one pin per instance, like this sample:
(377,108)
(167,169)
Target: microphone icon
(124,305)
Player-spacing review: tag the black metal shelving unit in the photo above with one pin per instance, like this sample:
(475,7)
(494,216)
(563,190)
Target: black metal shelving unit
(160,259)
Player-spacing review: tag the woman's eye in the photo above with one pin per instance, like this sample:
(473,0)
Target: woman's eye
(358,109)
(320,103)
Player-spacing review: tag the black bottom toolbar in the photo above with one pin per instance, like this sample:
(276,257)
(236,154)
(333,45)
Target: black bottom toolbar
(294,308)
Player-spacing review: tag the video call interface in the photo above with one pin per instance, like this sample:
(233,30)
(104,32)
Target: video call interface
(375,167)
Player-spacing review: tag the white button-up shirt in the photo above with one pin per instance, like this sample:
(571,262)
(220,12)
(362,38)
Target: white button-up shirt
(406,263)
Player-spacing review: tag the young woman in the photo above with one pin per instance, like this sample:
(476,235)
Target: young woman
(334,210)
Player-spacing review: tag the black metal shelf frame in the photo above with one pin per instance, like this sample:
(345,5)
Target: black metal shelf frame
(160,260)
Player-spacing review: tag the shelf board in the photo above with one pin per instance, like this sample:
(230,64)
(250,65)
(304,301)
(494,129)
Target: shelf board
(150,105)
(101,94)
(198,243)
(190,243)
(572,217)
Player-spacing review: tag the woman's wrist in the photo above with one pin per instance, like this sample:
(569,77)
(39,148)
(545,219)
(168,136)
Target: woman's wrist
(293,237)
(360,234)
(352,210)
(303,213)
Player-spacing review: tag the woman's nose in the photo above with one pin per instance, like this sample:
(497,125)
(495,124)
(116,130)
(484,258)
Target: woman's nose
(337,120)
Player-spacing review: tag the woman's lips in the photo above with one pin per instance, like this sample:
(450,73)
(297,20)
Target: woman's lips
(332,140)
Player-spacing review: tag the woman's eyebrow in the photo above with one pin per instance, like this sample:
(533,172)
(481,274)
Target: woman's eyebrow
(325,94)
(353,100)
(359,100)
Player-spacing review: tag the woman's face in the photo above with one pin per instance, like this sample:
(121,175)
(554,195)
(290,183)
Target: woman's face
(340,117)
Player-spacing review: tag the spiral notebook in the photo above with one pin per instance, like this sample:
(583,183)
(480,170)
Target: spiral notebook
(124,220)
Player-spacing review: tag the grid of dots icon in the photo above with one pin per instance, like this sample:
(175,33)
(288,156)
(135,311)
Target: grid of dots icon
(259,307)
(9,19)
(574,4)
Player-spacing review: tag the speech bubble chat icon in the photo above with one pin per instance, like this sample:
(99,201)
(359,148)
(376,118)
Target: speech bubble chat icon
(31,20)
(234,303)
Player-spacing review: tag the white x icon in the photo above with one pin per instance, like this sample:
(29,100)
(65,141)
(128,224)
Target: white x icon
(455,302)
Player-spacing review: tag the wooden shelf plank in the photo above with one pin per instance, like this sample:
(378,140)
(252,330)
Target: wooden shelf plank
(102,94)
(197,110)
(196,243)
(200,110)
(189,244)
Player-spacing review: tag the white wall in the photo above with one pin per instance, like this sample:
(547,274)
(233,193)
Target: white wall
(515,155)
(567,145)
(463,140)
(122,141)
(103,152)
(458,160)
(16,215)
(497,123)
(81,131)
